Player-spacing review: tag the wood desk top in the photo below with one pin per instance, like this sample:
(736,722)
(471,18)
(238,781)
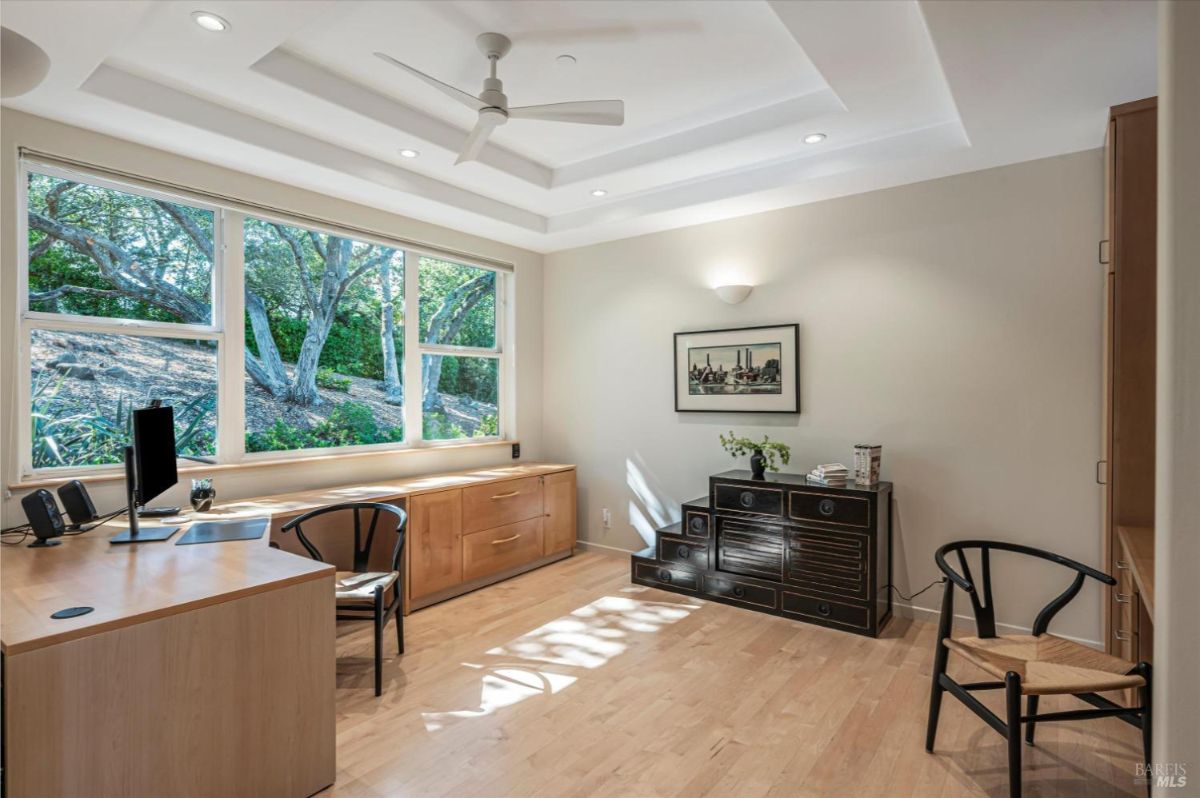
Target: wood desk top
(130,584)
(1139,542)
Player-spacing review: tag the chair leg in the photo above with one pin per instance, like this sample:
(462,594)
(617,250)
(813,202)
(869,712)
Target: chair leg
(378,641)
(1012,696)
(935,695)
(1146,694)
(399,620)
(1031,710)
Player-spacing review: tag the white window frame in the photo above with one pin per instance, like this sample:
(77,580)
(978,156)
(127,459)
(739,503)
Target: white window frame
(29,320)
(227,326)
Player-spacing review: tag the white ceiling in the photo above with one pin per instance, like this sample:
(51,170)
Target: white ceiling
(718,96)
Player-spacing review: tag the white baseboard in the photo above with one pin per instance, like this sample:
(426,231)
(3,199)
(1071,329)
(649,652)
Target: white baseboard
(588,545)
(967,623)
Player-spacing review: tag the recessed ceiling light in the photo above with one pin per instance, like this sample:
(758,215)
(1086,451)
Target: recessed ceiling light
(409,153)
(598,192)
(565,59)
(210,22)
(814,138)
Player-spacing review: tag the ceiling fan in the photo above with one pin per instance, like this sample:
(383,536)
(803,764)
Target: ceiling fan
(492,104)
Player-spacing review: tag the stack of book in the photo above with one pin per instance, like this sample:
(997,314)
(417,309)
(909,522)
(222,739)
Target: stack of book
(834,475)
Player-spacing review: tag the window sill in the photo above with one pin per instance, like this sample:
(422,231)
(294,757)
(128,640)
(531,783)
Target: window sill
(199,469)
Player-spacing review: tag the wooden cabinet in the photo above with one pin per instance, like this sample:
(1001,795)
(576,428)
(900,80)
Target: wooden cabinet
(1128,391)
(558,527)
(435,542)
(467,537)
(499,503)
(781,546)
(495,550)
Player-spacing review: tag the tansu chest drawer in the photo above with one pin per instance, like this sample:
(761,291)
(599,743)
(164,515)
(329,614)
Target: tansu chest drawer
(746,499)
(829,508)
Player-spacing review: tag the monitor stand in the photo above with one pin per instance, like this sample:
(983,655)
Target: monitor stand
(137,533)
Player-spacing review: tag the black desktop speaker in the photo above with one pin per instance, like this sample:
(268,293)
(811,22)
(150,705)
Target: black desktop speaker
(42,512)
(78,504)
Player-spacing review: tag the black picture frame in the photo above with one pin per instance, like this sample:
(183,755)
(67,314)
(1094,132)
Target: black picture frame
(790,332)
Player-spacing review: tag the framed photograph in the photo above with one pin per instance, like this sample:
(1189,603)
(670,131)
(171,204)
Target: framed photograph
(743,370)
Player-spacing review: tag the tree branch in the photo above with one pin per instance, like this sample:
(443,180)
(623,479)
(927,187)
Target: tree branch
(310,294)
(189,225)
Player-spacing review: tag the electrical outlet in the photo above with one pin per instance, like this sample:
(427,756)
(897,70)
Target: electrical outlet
(516,449)
(606,516)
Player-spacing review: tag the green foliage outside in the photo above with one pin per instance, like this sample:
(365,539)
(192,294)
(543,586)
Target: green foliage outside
(328,378)
(66,435)
(350,424)
(78,232)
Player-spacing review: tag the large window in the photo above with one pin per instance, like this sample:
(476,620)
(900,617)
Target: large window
(128,293)
(118,311)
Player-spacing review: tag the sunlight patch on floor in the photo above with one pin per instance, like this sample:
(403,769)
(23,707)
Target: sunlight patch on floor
(588,638)
(502,687)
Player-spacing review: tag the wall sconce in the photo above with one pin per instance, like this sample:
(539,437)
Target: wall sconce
(733,294)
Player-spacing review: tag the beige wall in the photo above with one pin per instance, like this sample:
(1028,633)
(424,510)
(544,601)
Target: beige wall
(1177,506)
(18,129)
(956,322)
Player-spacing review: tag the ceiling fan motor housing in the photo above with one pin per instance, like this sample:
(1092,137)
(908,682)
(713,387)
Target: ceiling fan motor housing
(493,95)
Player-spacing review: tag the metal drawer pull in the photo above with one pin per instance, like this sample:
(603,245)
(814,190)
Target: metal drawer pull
(826,507)
(824,608)
(1121,598)
(739,591)
(664,576)
(506,495)
(505,540)
(746,499)
(1123,565)
(683,552)
(1121,634)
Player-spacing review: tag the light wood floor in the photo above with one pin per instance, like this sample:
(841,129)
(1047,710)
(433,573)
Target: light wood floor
(571,681)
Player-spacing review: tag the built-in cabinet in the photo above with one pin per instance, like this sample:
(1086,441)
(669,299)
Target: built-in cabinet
(1127,468)
(466,537)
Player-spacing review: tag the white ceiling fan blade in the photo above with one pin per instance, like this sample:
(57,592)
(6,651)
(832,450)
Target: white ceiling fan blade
(587,112)
(472,102)
(479,136)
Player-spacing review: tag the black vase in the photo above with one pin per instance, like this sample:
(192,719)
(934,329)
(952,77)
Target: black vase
(758,464)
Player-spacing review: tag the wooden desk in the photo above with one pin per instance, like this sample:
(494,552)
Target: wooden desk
(203,670)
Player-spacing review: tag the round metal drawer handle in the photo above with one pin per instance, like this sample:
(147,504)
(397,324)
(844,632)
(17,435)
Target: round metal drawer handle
(746,499)
(697,524)
(664,576)
(824,608)
(739,591)
(683,552)
(826,507)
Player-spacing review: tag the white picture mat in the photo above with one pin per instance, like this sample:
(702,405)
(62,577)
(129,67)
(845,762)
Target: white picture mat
(783,402)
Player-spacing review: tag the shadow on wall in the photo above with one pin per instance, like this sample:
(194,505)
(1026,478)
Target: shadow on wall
(650,507)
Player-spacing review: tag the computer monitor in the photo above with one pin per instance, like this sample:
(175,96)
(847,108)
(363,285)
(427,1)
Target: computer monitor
(149,469)
(153,452)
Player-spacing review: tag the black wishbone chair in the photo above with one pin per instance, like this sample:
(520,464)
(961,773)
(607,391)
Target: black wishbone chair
(359,592)
(1031,665)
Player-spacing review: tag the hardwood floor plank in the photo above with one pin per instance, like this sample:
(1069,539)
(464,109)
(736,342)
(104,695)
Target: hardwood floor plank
(571,682)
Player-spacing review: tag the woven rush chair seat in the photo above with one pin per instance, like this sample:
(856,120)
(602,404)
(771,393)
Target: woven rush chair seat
(349,586)
(1047,665)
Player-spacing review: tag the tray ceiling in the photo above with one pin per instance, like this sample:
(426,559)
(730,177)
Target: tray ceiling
(718,97)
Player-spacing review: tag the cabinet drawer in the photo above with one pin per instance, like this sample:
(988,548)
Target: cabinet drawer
(683,552)
(695,524)
(501,548)
(500,503)
(751,548)
(740,592)
(667,576)
(830,562)
(820,609)
(745,499)
(829,508)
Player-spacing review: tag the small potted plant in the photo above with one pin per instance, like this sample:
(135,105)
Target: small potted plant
(766,453)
